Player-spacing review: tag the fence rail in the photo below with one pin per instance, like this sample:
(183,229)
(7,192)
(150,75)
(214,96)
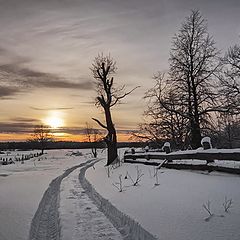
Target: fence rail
(234,156)
(145,158)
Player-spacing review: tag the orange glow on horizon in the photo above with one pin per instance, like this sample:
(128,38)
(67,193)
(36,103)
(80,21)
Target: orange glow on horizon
(11,137)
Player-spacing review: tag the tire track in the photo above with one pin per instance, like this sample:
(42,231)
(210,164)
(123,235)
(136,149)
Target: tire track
(129,228)
(45,224)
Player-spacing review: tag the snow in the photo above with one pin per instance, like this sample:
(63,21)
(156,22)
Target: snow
(206,139)
(174,209)
(129,228)
(166,144)
(168,204)
(80,217)
(22,187)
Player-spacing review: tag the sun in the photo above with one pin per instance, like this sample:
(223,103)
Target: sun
(54,121)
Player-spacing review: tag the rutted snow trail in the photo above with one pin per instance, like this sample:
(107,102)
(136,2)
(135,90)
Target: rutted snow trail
(80,218)
(128,227)
(45,223)
(71,209)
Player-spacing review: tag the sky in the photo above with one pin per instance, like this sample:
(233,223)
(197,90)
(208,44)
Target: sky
(47,48)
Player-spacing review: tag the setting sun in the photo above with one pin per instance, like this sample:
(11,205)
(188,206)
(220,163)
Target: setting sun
(54,120)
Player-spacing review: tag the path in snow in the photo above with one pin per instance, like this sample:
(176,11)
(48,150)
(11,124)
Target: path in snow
(78,212)
(22,187)
(45,223)
(80,218)
(129,228)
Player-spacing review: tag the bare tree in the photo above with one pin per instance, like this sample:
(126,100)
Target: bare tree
(193,65)
(231,80)
(42,135)
(161,124)
(229,89)
(108,95)
(93,136)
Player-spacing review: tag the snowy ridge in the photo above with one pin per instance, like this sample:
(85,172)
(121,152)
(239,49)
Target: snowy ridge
(45,223)
(129,228)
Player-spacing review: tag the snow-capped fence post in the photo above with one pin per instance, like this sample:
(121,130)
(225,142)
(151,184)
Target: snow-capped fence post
(206,143)
(146,148)
(167,149)
(132,150)
(22,160)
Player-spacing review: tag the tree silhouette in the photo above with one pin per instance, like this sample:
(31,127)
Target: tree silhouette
(93,136)
(194,62)
(108,95)
(42,135)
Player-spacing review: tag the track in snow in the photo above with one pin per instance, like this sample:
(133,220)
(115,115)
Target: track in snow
(45,223)
(129,228)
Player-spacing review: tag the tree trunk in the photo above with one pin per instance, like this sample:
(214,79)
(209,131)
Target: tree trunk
(112,152)
(196,132)
(94,152)
(195,138)
(111,138)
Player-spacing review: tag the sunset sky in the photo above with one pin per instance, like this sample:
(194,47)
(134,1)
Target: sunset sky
(47,47)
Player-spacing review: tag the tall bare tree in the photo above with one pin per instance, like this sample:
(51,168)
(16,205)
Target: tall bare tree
(42,135)
(229,121)
(193,65)
(161,124)
(230,81)
(108,95)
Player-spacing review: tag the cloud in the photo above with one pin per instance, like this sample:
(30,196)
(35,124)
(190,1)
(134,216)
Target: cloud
(17,127)
(82,131)
(16,79)
(25,120)
(45,83)
(22,125)
(48,109)
(7,92)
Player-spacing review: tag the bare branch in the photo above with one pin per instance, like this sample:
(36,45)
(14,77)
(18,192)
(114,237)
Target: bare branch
(118,98)
(101,124)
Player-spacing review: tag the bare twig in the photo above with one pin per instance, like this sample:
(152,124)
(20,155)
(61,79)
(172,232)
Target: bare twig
(138,177)
(227,204)
(156,177)
(207,207)
(108,169)
(119,185)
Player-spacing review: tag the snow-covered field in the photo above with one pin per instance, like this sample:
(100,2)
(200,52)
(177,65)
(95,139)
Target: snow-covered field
(174,209)
(169,207)
(23,185)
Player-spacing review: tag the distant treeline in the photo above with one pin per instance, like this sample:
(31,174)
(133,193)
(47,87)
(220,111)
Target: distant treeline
(63,145)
